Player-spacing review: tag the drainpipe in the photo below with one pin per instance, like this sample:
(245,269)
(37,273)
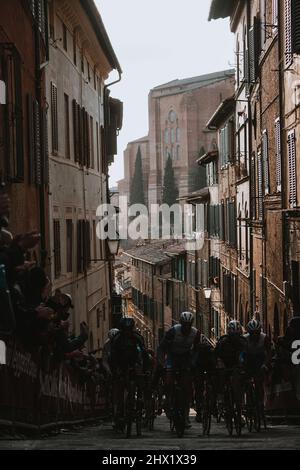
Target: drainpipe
(38,89)
(110,281)
(282,137)
(251,281)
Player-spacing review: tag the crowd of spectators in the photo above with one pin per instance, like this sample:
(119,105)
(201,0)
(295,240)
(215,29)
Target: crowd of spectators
(31,312)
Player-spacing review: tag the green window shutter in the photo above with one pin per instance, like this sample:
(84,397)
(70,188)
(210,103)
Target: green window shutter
(296,26)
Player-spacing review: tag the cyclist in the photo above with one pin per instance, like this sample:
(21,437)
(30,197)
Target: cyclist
(257,357)
(204,362)
(175,353)
(106,356)
(128,355)
(229,352)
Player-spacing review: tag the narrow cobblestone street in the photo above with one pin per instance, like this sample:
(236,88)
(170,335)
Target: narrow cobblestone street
(102,437)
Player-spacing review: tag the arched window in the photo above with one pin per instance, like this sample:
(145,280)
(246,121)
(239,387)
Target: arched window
(172,136)
(172,116)
(177,134)
(166,136)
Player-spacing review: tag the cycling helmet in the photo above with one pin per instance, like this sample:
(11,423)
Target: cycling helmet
(234,328)
(127,323)
(186,317)
(254,326)
(113,332)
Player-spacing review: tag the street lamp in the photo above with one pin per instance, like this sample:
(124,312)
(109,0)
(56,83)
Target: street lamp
(207,293)
(113,247)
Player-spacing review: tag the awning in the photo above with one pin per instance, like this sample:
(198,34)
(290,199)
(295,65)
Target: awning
(224,110)
(220,9)
(208,157)
(202,195)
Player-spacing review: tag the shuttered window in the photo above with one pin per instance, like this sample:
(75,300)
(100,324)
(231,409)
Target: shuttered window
(31,157)
(83,245)
(75,130)
(45,161)
(92,164)
(288,32)
(37,143)
(254,50)
(296,26)
(247,72)
(67,126)
(98,149)
(226,144)
(11,131)
(35,148)
(54,118)
(278,154)
(69,231)
(292,169)
(275,15)
(263,21)
(57,251)
(260,185)
(265,155)
(253,185)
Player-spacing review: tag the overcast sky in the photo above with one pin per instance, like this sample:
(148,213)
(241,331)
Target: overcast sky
(157,41)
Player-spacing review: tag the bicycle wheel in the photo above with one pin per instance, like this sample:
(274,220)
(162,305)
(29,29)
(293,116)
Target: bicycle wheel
(138,411)
(179,423)
(206,412)
(249,408)
(129,411)
(238,420)
(229,412)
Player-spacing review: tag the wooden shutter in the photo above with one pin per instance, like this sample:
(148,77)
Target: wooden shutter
(292,168)
(75,130)
(296,26)
(288,32)
(278,153)
(266,170)
(54,116)
(260,185)
(80,246)
(254,50)
(253,185)
(45,152)
(275,15)
(80,135)
(57,255)
(247,73)
(263,21)
(37,144)
(31,158)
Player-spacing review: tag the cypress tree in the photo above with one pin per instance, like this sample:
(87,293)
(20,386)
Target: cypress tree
(170,189)
(137,188)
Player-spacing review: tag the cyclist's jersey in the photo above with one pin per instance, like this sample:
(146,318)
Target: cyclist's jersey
(256,353)
(178,347)
(230,348)
(181,344)
(129,351)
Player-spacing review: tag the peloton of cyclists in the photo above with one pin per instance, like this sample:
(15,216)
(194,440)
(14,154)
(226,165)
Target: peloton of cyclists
(184,350)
